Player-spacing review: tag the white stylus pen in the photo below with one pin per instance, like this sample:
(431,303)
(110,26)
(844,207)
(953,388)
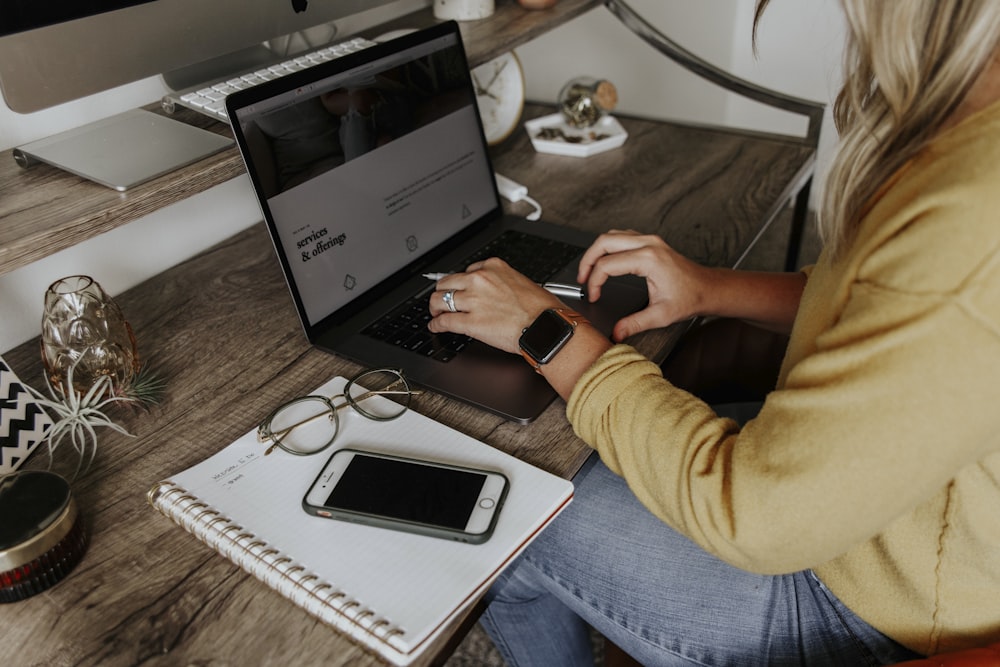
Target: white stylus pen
(559,289)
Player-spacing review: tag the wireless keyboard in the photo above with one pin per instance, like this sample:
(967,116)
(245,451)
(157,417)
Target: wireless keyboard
(210,99)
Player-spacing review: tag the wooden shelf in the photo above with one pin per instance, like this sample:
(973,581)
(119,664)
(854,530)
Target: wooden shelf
(44,210)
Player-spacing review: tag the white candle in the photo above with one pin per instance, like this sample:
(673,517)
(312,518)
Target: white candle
(463,10)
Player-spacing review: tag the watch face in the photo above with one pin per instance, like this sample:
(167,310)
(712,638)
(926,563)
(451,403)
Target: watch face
(546,336)
(499,86)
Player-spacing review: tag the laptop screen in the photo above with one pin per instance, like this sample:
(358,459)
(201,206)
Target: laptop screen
(365,170)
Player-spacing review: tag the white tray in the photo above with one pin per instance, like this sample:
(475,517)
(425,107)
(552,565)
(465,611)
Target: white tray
(616,136)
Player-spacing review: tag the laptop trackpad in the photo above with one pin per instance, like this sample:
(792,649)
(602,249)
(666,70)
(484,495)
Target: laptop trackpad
(619,297)
(513,389)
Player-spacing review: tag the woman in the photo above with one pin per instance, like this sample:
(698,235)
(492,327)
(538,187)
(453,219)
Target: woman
(855,519)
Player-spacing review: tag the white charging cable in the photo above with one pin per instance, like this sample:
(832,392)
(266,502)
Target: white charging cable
(516,192)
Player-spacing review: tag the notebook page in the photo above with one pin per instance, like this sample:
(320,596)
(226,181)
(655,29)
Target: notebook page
(415,582)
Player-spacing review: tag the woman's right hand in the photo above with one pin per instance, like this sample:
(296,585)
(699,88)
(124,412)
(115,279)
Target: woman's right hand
(677,286)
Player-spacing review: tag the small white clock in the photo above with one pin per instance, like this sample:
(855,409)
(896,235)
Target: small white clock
(499,86)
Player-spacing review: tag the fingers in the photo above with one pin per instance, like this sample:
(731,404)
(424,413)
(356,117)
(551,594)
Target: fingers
(611,255)
(447,322)
(632,325)
(452,289)
(603,245)
(490,302)
(619,254)
(654,316)
(478,266)
(444,319)
(445,301)
(445,298)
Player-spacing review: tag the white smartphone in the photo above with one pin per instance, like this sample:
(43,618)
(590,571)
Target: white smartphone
(415,496)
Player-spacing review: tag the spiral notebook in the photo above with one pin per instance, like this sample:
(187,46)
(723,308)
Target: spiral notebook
(390,591)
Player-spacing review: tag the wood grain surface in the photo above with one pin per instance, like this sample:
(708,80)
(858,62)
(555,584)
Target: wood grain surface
(221,330)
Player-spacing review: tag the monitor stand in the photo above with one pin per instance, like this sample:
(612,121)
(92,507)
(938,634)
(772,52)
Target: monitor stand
(124,150)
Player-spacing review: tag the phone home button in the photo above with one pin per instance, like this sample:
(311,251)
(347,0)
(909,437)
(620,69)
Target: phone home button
(487,503)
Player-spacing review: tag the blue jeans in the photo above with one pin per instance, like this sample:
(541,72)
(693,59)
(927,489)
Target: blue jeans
(609,563)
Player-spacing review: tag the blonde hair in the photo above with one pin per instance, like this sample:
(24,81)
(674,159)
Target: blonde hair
(907,66)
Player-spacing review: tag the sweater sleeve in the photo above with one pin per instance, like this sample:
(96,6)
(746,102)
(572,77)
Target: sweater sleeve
(898,395)
(888,389)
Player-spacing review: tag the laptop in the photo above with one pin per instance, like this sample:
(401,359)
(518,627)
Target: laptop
(372,170)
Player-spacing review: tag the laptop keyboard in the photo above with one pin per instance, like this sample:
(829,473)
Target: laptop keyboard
(536,257)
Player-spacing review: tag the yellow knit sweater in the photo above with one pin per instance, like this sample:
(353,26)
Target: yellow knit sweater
(876,461)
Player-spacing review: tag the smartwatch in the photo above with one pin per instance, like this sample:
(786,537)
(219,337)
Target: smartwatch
(542,339)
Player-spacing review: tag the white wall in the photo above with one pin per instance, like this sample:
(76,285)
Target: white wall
(799,51)
(127,255)
(800,46)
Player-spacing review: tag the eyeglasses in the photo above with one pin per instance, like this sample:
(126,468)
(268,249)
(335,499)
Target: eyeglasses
(309,424)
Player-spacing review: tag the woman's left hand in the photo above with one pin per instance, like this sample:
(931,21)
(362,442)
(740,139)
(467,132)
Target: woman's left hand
(493,303)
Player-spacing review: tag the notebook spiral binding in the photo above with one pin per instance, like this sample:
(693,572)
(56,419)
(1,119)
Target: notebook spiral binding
(268,564)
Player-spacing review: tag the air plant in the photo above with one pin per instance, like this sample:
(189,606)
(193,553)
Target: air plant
(145,389)
(78,416)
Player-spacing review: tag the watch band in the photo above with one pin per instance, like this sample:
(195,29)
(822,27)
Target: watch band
(573,318)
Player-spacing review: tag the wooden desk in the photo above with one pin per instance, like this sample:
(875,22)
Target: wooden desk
(221,330)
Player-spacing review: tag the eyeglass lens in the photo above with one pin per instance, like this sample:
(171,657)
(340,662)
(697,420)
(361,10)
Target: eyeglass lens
(379,394)
(309,424)
(305,426)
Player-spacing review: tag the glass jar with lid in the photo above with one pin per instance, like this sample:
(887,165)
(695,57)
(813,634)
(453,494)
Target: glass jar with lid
(583,101)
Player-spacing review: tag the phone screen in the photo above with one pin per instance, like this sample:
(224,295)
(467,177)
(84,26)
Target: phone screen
(408,491)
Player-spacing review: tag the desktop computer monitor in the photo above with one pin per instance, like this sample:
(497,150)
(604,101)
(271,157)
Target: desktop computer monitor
(54,51)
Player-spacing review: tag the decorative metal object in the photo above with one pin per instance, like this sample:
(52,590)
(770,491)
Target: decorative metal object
(44,534)
(84,329)
(585,100)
